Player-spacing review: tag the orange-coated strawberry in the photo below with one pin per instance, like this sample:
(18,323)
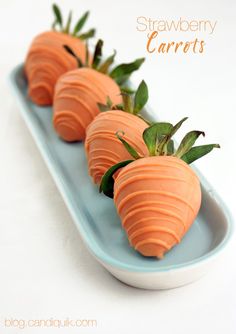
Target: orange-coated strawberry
(47,60)
(157,197)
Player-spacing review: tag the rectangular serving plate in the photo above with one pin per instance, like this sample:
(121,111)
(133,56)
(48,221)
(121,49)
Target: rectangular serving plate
(96,218)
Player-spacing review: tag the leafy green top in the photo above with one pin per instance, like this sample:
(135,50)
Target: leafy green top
(129,105)
(158,139)
(120,73)
(66,28)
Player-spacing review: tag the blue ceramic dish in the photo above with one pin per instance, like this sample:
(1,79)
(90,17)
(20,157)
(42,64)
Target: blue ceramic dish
(97,220)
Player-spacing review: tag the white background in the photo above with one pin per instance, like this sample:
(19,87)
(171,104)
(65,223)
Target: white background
(45,270)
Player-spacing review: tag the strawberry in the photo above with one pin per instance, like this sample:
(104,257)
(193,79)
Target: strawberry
(47,60)
(103,149)
(78,92)
(157,197)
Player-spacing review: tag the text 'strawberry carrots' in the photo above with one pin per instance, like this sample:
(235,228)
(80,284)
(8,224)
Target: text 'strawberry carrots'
(47,60)
(78,92)
(103,149)
(157,197)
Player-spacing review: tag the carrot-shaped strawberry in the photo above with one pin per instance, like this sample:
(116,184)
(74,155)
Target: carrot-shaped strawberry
(47,60)
(103,149)
(157,197)
(78,92)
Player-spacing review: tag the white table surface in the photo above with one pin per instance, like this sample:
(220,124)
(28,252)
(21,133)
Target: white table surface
(45,270)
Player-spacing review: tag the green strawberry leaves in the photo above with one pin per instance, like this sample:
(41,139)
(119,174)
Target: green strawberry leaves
(187,142)
(80,23)
(122,72)
(132,106)
(140,98)
(127,103)
(154,133)
(97,54)
(157,138)
(104,67)
(89,34)
(128,147)
(158,130)
(170,148)
(109,105)
(164,141)
(197,152)
(58,21)
(68,24)
(58,17)
(103,107)
(107,183)
(71,52)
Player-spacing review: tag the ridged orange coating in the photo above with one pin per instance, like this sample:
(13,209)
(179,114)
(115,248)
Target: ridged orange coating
(75,101)
(47,60)
(104,149)
(158,199)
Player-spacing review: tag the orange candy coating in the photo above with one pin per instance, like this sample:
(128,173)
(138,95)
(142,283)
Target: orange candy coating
(47,60)
(75,102)
(104,149)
